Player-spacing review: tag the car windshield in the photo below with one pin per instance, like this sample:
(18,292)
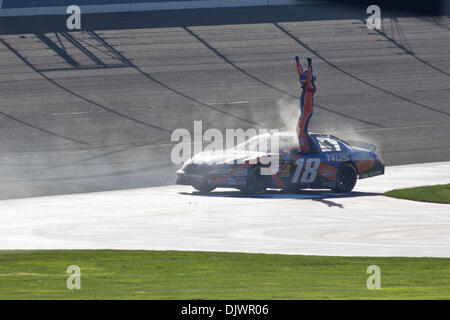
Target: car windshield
(263,143)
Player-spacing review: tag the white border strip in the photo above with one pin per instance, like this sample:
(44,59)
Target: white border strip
(149,6)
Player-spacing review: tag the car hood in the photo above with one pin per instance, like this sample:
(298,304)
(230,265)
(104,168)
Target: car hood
(231,156)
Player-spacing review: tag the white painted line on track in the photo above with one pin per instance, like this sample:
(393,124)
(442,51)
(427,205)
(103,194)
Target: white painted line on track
(176,218)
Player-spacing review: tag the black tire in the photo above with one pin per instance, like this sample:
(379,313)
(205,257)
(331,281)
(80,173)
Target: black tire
(203,187)
(256,183)
(346,178)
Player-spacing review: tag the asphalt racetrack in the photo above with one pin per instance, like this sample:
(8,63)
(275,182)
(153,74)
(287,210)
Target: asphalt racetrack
(94,110)
(90,111)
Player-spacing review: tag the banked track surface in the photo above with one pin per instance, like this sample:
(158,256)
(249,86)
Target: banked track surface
(94,110)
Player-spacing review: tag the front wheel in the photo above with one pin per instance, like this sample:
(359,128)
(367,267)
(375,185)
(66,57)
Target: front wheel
(256,183)
(346,178)
(203,186)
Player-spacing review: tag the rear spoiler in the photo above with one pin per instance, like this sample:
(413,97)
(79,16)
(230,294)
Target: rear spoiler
(360,144)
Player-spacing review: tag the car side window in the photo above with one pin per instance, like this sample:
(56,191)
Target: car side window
(327,144)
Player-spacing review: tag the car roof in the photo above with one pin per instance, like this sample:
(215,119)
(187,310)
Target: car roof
(294,134)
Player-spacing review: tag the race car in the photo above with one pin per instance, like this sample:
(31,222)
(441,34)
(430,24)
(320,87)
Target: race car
(334,164)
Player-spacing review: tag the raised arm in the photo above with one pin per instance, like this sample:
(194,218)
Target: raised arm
(299,66)
(310,75)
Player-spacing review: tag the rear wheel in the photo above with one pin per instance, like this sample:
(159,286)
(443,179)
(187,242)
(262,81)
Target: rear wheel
(256,183)
(346,178)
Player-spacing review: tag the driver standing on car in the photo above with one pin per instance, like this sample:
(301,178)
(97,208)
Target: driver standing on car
(308,88)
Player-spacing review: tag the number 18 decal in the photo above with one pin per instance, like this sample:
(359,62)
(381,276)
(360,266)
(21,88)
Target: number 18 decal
(310,172)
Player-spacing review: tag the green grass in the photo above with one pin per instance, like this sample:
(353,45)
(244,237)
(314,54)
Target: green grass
(108,274)
(437,193)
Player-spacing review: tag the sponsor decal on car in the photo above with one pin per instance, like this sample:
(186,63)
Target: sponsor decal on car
(240,172)
(284,170)
(192,175)
(236,181)
(338,157)
(329,173)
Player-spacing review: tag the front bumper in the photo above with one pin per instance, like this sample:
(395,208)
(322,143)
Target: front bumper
(214,176)
(188,178)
